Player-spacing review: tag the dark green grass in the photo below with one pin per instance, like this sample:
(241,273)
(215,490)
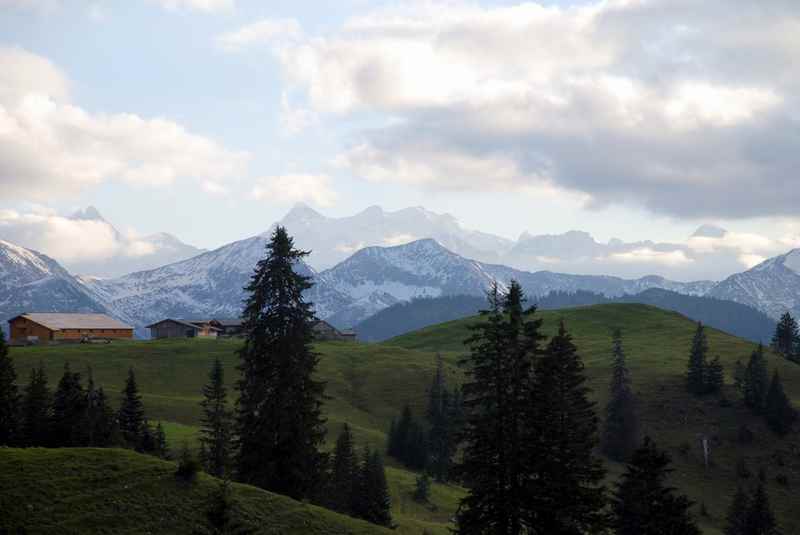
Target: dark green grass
(368,385)
(78,491)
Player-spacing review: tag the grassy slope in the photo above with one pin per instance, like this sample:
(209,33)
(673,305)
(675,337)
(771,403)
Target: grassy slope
(117,491)
(368,385)
(657,345)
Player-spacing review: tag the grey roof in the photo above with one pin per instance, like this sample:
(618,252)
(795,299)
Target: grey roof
(230,322)
(60,321)
(179,322)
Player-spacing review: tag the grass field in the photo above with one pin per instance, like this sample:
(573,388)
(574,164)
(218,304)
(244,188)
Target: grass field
(76,491)
(368,384)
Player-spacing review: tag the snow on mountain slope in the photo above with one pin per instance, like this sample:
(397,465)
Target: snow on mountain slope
(208,285)
(31,281)
(772,286)
(378,277)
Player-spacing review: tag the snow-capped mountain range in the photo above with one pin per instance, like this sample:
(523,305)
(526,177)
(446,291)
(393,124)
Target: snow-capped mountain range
(772,286)
(371,279)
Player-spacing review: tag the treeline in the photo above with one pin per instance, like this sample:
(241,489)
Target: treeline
(786,340)
(763,395)
(430,446)
(72,416)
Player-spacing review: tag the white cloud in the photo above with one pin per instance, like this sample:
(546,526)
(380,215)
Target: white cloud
(295,119)
(261,32)
(60,237)
(209,6)
(652,102)
(85,149)
(650,256)
(399,239)
(214,188)
(296,188)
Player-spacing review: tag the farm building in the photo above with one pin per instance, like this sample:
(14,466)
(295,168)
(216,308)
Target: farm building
(47,327)
(229,327)
(175,328)
(324,331)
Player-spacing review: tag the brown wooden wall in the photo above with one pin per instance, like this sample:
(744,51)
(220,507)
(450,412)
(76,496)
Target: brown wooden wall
(78,334)
(22,329)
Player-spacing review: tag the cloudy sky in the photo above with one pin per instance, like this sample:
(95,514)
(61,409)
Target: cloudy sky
(209,119)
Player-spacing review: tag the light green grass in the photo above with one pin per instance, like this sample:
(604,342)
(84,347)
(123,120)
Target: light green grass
(79,491)
(368,385)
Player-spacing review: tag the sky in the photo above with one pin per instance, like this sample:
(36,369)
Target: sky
(209,119)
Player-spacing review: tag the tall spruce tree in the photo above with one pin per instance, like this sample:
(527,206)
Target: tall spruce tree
(736,519)
(497,399)
(69,412)
(787,337)
(37,407)
(569,497)
(621,431)
(216,423)
(643,504)
(130,417)
(760,518)
(715,376)
(696,381)
(372,502)
(9,398)
(756,381)
(99,416)
(441,441)
(344,474)
(778,409)
(279,420)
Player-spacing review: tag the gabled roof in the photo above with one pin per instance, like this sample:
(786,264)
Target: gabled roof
(179,322)
(60,321)
(229,322)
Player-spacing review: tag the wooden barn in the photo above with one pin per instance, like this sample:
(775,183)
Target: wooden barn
(325,332)
(229,327)
(48,327)
(176,328)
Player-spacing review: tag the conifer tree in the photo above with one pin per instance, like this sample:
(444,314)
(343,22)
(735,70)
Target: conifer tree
(715,376)
(373,502)
(760,519)
(643,504)
(787,337)
(696,381)
(216,423)
(739,374)
(497,399)
(99,419)
(147,440)
(37,407)
(69,411)
(161,448)
(756,381)
(620,435)
(778,409)
(568,496)
(441,444)
(736,520)
(131,412)
(344,474)
(9,398)
(279,420)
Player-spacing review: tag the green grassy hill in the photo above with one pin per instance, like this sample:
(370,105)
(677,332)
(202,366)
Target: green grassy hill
(368,385)
(78,491)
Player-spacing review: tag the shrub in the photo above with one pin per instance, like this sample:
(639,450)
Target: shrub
(188,466)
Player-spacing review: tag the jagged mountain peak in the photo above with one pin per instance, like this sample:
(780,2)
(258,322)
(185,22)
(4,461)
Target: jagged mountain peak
(303,214)
(90,213)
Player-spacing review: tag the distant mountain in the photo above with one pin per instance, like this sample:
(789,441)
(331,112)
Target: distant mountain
(132,254)
(728,316)
(378,277)
(31,281)
(333,240)
(772,286)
